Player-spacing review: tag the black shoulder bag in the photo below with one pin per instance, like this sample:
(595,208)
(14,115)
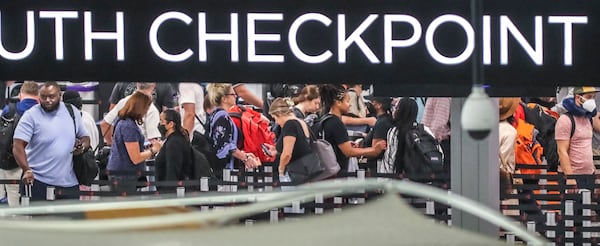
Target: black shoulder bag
(84,164)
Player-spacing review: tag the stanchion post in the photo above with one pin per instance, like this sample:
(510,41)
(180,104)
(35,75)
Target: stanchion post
(550,221)
(226,177)
(234,178)
(204,184)
(318,202)
(586,198)
(268,178)
(337,202)
(510,239)
(50,196)
(180,191)
(274,216)
(569,223)
(430,208)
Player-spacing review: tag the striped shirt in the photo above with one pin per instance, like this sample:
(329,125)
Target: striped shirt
(437,116)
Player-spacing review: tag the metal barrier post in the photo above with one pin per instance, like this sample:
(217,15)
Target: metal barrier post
(180,191)
(250,182)
(430,208)
(204,184)
(510,239)
(268,178)
(274,216)
(226,177)
(318,200)
(337,201)
(50,196)
(234,178)
(550,221)
(569,223)
(531,226)
(586,197)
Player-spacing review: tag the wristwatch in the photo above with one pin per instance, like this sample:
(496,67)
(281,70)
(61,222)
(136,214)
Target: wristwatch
(247,158)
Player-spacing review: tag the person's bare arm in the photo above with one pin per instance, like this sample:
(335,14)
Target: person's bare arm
(563,156)
(350,151)
(189,116)
(377,140)
(286,152)
(107,131)
(137,156)
(347,120)
(21,158)
(242,91)
(596,122)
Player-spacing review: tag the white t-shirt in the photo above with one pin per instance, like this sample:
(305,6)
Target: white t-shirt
(151,120)
(90,126)
(193,93)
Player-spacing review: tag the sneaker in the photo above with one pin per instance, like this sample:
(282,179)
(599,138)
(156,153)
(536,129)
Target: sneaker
(4,200)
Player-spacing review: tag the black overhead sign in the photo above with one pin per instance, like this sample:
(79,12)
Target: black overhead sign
(404,42)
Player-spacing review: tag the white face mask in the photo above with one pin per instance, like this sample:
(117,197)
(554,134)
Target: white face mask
(589,105)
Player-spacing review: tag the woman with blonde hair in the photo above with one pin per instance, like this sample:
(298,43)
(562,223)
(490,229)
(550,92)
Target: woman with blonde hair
(308,102)
(222,130)
(294,141)
(127,154)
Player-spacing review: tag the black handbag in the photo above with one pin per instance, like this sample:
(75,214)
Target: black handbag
(85,167)
(305,168)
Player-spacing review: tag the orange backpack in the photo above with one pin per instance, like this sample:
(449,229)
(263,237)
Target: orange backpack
(528,150)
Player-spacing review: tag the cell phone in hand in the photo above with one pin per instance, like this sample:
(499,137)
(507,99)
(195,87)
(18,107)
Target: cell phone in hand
(266,150)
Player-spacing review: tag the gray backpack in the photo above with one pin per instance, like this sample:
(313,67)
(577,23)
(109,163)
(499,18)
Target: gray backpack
(324,150)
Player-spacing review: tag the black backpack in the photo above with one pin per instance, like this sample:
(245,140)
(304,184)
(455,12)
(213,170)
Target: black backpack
(203,143)
(200,165)
(422,155)
(8,123)
(317,127)
(545,124)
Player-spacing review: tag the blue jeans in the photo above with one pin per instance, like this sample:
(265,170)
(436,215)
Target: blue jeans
(38,191)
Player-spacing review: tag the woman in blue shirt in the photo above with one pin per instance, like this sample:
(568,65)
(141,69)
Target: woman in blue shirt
(127,153)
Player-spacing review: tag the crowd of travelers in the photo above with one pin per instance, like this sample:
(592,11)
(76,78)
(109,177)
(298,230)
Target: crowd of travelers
(198,129)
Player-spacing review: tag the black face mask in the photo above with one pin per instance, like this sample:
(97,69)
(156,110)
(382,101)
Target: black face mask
(162,129)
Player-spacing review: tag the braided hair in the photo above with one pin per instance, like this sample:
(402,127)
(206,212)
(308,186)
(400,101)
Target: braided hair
(329,95)
(404,118)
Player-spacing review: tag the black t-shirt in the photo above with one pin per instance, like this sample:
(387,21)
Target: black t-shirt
(174,161)
(379,131)
(301,146)
(162,96)
(336,133)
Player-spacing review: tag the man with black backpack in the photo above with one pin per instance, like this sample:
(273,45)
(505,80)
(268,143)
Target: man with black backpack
(9,169)
(573,133)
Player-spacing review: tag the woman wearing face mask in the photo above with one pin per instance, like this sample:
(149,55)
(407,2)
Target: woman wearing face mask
(574,144)
(174,161)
